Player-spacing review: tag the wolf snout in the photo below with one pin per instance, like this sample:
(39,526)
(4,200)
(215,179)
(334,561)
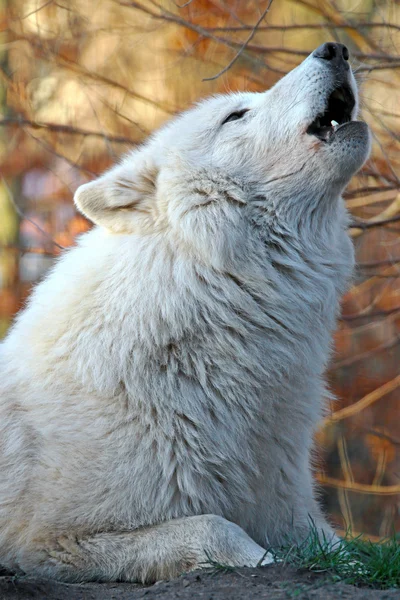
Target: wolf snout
(336,54)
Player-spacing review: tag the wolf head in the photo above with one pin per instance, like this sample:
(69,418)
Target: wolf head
(293,146)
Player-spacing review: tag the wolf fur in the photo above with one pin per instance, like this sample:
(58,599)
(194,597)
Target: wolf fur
(160,391)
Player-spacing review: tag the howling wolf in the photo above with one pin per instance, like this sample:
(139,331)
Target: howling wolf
(160,390)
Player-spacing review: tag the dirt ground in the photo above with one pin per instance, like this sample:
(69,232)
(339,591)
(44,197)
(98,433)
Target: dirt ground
(272,582)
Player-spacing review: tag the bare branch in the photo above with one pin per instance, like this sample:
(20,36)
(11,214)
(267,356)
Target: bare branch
(369,190)
(55,127)
(67,63)
(368,400)
(370,224)
(295,26)
(359,488)
(165,15)
(23,216)
(29,249)
(378,263)
(304,53)
(371,315)
(243,47)
(36,10)
(51,150)
(378,67)
(362,356)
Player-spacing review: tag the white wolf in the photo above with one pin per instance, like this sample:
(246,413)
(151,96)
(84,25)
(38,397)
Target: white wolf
(160,391)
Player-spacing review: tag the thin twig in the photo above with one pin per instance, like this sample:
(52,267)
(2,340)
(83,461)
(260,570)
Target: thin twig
(370,224)
(243,47)
(67,63)
(378,263)
(165,15)
(378,67)
(28,249)
(296,26)
(362,356)
(35,11)
(22,215)
(372,315)
(50,149)
(368,400)
(58,128)
(360,488)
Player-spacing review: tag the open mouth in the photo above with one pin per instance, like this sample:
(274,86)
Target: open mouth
(338,112)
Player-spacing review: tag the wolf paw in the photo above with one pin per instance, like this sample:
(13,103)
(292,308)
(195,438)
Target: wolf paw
(68,550)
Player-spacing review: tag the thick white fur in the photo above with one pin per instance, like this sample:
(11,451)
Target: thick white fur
(160,391)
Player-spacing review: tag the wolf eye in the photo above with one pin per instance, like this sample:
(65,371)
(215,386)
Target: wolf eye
(238,114)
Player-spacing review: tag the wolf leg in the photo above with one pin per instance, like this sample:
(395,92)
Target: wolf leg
(158,552)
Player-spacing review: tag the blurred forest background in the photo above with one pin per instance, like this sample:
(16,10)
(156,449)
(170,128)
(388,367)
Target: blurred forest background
(82,81)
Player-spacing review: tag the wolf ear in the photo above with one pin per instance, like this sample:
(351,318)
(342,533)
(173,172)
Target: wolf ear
(121,200)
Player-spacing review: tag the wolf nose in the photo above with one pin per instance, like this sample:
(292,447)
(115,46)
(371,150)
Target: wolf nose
(338,54)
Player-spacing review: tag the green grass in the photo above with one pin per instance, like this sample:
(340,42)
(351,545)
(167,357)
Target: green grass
(353,561)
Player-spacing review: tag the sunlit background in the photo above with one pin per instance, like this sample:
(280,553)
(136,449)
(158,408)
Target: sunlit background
(83,81)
